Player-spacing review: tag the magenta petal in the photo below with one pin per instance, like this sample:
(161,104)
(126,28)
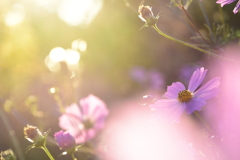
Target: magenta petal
(197,79)
(178,112)
(209,89)
(236,7)
(167,104)
(195,104)
(81,137)
(174,89)
(74,110)
(68,122)
(64,140)
(90,134)
(93,107)
(170,107)
(153,106)
(224,2)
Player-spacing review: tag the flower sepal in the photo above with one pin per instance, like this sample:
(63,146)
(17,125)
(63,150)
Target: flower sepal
(71,151)
(40,143)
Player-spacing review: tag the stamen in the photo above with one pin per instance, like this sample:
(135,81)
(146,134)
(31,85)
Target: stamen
(185,96)
(88,124)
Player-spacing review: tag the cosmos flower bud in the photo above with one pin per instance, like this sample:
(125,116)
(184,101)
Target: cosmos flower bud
(147,16)
(65,140)
(33,134)
(8,155)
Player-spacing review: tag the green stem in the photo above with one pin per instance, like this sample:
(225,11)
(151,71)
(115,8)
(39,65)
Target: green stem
(205,16)
(191,45)
(203,121)
(47,152)
(195,27)
(13,137)
(73,157)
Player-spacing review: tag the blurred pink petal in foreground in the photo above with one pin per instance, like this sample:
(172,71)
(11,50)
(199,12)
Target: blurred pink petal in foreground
(224,112)
(132,135)
(85,120)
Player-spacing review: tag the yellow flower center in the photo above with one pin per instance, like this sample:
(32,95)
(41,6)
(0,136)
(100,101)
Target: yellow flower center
(88,124)
(185,96)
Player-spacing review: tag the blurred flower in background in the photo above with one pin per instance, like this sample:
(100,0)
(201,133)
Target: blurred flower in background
(85,120)
(151,79)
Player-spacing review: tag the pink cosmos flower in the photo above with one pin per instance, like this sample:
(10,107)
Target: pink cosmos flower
(85,120)
(224,2)
(191,99)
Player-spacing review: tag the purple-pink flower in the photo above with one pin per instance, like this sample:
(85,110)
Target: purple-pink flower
(64,140)
(191,99)
(85,120)
(224,2)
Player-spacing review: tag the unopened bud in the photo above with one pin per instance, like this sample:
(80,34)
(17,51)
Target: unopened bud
(64,140)
(33,134)
(147,16)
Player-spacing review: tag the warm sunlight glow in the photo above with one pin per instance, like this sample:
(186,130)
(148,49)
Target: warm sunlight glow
(72,57)
(52,66)
(79,45)
(15,15)
(52,90)
(43,2)
(57,54)
(76,12)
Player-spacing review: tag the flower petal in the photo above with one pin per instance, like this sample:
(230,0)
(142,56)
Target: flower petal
(174,89)
(208,90)
(74,110)
(70,121)
(224,2)
(93,107)
(196,79)
(71,118)
(171,108)
(236,7)
(195,104)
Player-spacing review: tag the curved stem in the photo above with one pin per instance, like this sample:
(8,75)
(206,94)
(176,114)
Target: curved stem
(191,45)
(73,157)
(195,27)
(47,152)
(205,16)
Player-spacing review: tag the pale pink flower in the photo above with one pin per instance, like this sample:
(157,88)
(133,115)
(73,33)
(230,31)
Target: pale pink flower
(85,120)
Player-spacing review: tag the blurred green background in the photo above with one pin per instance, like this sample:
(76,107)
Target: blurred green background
(30,29)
